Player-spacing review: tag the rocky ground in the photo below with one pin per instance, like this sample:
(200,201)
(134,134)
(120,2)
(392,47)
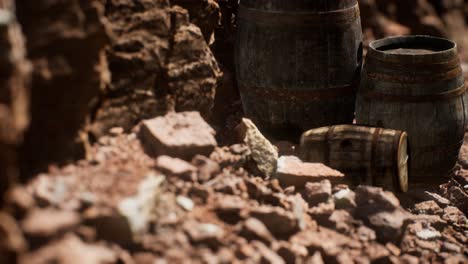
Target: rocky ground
(203,186)
(195,201)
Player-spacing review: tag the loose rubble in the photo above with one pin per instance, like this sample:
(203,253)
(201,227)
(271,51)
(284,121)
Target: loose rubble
(125,206)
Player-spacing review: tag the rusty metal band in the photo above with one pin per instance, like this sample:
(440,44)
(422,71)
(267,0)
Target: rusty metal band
(298,18)
(375,141)
(415,98)
(327,149)
(288,95)
(407,77)
(377,62)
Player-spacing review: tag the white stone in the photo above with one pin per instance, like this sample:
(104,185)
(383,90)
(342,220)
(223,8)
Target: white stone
(185,203)
(139,208)
(427,234)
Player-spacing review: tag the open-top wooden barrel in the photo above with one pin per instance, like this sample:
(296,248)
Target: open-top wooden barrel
(416,84)
(298,62)
(366,155)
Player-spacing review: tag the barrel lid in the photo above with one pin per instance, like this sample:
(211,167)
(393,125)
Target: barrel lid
(299,5)
(413,49)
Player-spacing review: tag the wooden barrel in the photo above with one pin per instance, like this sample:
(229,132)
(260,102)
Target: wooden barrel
(366,155)
(298,62)
(416,84)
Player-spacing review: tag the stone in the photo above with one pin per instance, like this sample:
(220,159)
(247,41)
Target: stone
(409,259)
(235,156)
(344,199)
(316,258)
(50,192)
(176,167)
(46,223)
(340,220)
(427,207)
(279,221)
(365,234)
(451,247)
(205,14)
(424,195)
(185,203)
(181,135)
(322,211)
(299,209)
(328,242)
(207,168)
(458,197)
(254,229)
(291,171)
(106,221)
(19,201)
(204,233)
(116,131)
(291,253)
(454,216)
(420,237)
(428,234)
(376,197)
(392,248)
(267,255)
(317,192)
(263,153)
(139,208)
(12,241)
(70,250)
(387,225)
(377,253)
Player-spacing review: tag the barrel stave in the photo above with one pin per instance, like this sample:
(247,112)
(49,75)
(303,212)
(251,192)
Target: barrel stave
(427,102)
(365,155)
(292,75)
(299,5)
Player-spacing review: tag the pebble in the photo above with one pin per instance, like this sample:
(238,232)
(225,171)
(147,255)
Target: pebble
(427,234)
(185,203)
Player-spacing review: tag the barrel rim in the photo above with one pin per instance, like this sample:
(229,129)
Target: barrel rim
(444,53)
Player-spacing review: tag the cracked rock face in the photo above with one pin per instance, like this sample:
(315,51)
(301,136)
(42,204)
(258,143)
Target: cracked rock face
(65,42)
(159,60)
(14,93)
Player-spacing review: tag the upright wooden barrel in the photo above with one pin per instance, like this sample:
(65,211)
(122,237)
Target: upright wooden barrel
(298,62)
(416,84)
(366,155)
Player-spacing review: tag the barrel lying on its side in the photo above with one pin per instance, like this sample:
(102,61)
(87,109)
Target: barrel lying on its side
(366,155)
(416,84)
(298,62)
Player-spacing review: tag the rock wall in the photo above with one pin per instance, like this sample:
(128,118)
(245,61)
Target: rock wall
(65,41)
(160,62)
(14,93)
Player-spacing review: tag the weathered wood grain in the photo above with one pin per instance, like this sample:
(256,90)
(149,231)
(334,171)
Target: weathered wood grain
(298,62)
(366,155)
(420,92)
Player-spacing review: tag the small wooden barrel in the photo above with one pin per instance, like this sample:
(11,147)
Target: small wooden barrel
(366,155)
(416,84)
(298,62)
